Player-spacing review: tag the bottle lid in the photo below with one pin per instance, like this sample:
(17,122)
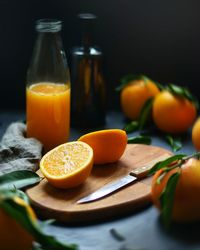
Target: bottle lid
(48,25)
(87,16)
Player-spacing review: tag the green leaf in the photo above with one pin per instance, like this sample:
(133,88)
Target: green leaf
(145,112)
(128,78)
(183,92)
(167,199)
(159,85)
(131,127)
(117,235)
(18,179)
(11,193)
(195,155)
(165,163)
(22,216)
(177,90)
(47,222)
(36,247)
(175,143)
(140,139)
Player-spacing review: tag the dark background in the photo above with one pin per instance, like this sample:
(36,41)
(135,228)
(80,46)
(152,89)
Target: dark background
(158,38)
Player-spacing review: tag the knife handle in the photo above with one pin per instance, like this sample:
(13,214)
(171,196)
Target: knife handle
(142,172)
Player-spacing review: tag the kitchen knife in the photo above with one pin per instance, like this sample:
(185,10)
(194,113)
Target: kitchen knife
(134,175)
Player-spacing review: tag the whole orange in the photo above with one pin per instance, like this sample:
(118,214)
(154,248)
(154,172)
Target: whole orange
(172,113)
(196,134)
(13,235)
(134,95)
(186,206)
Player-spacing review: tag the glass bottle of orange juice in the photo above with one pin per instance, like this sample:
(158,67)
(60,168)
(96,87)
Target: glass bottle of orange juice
(48,87)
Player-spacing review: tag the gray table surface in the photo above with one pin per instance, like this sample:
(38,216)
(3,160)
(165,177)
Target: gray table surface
(141,230)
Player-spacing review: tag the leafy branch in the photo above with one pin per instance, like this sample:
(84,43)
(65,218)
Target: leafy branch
(143,118)
(167,198)
(129,78)
(141,139)
(174,142)
(9,194)
(21,214)
(167,195)
(183,92)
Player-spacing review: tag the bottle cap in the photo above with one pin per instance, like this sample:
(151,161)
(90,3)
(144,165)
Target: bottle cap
(87,16)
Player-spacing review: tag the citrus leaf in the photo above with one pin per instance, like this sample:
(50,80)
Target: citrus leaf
(11,193)
(22,216)
(131,127)
(183,92)
(159,85)
(18,179)
(145,112)
(174,89)
(159,179)
(167,199)
(47,222)
(36,247)
(128,78)
(196,155)
(117,235)
(140,139)
(175,143)
(165,163)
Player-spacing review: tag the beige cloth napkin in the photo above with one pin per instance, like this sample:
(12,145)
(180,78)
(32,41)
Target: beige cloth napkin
(18,152)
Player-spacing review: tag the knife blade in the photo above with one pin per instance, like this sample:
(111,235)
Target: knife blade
(133,176)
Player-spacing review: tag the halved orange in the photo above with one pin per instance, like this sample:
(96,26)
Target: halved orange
(67,165)
(108,145)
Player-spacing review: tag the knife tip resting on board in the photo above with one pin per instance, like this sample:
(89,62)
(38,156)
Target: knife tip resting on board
(110,188)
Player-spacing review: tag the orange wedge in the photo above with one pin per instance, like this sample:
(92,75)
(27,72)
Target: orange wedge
(67,165)
(108,145)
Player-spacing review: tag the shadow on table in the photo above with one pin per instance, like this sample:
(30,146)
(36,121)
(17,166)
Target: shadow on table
(188,233)
(106,220)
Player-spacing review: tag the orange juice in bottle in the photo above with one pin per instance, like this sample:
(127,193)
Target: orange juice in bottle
(48,88)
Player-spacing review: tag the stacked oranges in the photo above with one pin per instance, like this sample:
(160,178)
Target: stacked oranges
(174,109)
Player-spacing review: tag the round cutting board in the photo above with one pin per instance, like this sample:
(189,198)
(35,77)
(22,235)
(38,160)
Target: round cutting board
(62,205)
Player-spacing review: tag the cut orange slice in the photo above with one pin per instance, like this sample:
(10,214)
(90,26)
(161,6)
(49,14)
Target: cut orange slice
(108,145)
(67,165)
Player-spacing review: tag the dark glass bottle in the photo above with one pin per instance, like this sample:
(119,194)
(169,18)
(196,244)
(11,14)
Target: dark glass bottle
(88,87)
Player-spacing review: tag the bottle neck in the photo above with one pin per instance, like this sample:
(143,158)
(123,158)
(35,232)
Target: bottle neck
(86,40)
(87,23)
(49,30)
(48,63)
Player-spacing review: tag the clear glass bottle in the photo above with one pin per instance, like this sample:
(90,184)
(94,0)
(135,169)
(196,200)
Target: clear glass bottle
(88,86)
(48,87)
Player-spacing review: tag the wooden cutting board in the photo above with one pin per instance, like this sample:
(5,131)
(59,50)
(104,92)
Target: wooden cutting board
(61,205)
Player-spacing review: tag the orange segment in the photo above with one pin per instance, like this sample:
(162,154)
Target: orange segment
(108,145)
(67,165)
